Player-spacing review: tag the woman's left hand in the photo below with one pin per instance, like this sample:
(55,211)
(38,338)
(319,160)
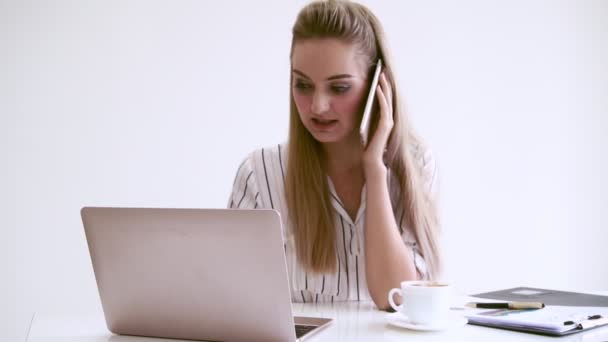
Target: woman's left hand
(374,153)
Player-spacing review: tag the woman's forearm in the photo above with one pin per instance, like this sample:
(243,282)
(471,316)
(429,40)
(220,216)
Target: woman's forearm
(387,259)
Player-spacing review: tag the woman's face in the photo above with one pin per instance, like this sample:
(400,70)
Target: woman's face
(329,88)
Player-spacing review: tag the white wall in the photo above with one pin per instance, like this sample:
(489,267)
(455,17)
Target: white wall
(138,103)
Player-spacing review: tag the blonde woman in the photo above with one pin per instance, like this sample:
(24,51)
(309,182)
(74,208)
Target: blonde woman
(357,220)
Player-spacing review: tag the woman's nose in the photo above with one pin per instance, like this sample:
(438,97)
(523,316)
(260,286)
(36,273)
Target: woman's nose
(320,103)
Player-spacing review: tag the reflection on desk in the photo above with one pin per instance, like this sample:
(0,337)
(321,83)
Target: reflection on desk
(354,321)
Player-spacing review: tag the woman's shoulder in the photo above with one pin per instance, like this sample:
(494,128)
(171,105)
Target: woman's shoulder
(267,164)
(426,162)
(266,169)
(268,156)
(422,153)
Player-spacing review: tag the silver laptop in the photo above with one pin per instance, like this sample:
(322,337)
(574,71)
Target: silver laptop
(198,274)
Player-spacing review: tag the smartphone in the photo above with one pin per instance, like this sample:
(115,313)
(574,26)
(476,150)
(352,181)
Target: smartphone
(364,130)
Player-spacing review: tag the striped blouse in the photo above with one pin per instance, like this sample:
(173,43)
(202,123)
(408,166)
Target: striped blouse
(259,183)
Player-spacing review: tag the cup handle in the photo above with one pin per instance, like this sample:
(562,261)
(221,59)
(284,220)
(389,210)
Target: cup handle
(391,301)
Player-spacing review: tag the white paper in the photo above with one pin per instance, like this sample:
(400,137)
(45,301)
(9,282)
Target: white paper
(550,318)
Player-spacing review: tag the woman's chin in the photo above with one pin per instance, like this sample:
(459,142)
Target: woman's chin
(333,136)
(326,138)
(332,139)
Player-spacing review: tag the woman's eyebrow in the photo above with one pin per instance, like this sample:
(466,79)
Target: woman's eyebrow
(334,77)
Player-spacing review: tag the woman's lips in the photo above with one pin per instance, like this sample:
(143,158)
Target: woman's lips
(323,125)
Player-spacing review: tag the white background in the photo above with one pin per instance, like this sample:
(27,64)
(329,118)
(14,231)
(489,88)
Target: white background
(155,103)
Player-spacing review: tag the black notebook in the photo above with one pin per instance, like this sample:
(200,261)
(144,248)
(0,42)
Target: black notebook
(549,297)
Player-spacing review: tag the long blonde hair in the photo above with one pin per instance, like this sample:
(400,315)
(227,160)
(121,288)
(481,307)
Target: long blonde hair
(306,187)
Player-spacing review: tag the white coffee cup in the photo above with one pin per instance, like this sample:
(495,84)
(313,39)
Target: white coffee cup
(424,302)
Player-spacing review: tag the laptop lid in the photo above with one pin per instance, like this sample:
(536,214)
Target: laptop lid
(202,274)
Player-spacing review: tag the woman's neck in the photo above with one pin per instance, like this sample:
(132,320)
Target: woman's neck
(342,157)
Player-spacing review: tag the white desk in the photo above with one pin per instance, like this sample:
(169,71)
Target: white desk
(353,322)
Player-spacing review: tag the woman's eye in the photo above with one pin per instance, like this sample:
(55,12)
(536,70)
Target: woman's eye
(303,86)
(340,89)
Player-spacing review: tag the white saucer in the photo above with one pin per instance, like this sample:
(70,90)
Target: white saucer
(452,321)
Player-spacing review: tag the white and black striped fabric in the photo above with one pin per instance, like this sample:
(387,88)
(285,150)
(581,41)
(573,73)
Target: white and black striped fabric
(259,183)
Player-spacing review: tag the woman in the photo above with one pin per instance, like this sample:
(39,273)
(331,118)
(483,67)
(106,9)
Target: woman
(356,220)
